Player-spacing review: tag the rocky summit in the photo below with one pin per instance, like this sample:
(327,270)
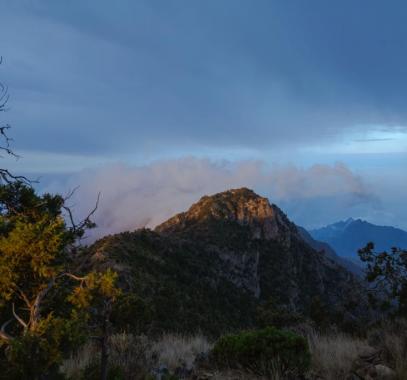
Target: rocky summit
(241,206)
(211,267)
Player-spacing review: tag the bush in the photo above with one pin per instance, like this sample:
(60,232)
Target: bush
(262,350)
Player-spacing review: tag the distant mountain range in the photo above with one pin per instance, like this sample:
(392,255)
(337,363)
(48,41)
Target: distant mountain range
(211,267)
(346,237)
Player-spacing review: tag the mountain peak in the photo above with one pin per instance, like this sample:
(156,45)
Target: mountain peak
(242,206)
(347,237)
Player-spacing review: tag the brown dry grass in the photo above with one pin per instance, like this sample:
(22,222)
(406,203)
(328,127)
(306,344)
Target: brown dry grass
(175,351)
(73,366)
(392,339)
(334,354)
(137,355)
(128,352)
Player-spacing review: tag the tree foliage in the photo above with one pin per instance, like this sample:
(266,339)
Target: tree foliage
(387,271)
(94,298)
(46,296)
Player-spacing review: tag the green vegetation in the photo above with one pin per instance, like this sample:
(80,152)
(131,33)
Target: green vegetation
(46,302)
(260,351)
(172,286)
(387,271)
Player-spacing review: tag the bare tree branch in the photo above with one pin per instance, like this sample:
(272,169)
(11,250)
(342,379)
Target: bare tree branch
(71,193)
(35,310)
(3,334)
(19,319)
(5,175)
(76,278)
(23,296)
(86,222)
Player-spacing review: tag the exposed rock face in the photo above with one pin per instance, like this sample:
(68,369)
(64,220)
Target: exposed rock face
(243,206)
(213,264)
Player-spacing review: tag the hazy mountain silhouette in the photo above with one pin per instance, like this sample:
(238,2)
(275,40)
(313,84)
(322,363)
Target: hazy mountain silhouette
(346,237)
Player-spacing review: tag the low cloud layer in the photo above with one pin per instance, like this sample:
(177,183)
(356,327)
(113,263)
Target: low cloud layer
(138,196)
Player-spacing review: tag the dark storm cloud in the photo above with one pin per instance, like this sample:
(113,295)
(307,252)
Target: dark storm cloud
(92,77)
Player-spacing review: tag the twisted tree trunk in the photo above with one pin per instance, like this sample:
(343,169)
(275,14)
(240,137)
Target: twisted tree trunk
(104,355)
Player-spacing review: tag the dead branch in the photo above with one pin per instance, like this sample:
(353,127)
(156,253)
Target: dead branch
(5,175)
(7,139)
(8,178)
(23,296)
(19,319)
(77,278)
(75,227)
(35,309)
(70,193)
(3,334)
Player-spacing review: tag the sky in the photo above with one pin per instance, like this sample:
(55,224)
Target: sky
(156,103)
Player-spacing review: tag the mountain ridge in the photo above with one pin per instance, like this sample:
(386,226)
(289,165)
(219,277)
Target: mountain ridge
(347,237)
(217,262)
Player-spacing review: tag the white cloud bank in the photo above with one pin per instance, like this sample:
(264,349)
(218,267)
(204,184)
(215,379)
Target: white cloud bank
(138,196)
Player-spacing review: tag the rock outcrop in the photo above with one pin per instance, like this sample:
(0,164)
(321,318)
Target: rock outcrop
(241,206)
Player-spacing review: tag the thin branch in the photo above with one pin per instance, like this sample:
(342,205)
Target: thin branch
(74,277)
(3,133)
(84,222)
(23,296)
(7,177)
(19,319)
(35,310)
(71,193)
(3,334)
(71,219)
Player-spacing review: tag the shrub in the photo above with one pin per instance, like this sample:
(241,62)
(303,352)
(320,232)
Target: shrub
(260,351)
